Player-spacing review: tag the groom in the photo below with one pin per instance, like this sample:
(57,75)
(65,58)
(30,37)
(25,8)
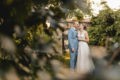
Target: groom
(73,44)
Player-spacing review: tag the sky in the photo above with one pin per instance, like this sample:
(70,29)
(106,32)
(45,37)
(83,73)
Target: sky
(96,6)
(113,4)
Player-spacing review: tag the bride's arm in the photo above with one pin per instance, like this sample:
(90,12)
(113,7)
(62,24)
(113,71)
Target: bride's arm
(86,37)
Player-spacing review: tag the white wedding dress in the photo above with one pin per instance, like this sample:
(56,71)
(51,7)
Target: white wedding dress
(84,62)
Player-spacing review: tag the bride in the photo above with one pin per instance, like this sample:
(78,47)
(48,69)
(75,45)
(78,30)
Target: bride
(84,62)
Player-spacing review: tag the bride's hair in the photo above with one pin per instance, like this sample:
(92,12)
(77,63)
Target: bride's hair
(84,26)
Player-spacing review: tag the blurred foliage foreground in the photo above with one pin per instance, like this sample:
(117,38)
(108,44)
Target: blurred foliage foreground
(30,39)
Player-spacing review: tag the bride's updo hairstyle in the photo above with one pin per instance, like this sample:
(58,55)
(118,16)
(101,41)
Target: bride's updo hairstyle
(84,25)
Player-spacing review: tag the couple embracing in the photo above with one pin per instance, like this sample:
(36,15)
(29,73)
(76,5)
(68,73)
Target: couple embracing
(80,59)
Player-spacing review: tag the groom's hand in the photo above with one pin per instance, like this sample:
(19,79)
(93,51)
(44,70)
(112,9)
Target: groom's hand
(73,49)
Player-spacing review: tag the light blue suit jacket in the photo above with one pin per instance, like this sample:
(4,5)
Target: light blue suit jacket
(72,39)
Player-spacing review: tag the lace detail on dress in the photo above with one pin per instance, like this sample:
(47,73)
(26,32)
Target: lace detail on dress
(81,35)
